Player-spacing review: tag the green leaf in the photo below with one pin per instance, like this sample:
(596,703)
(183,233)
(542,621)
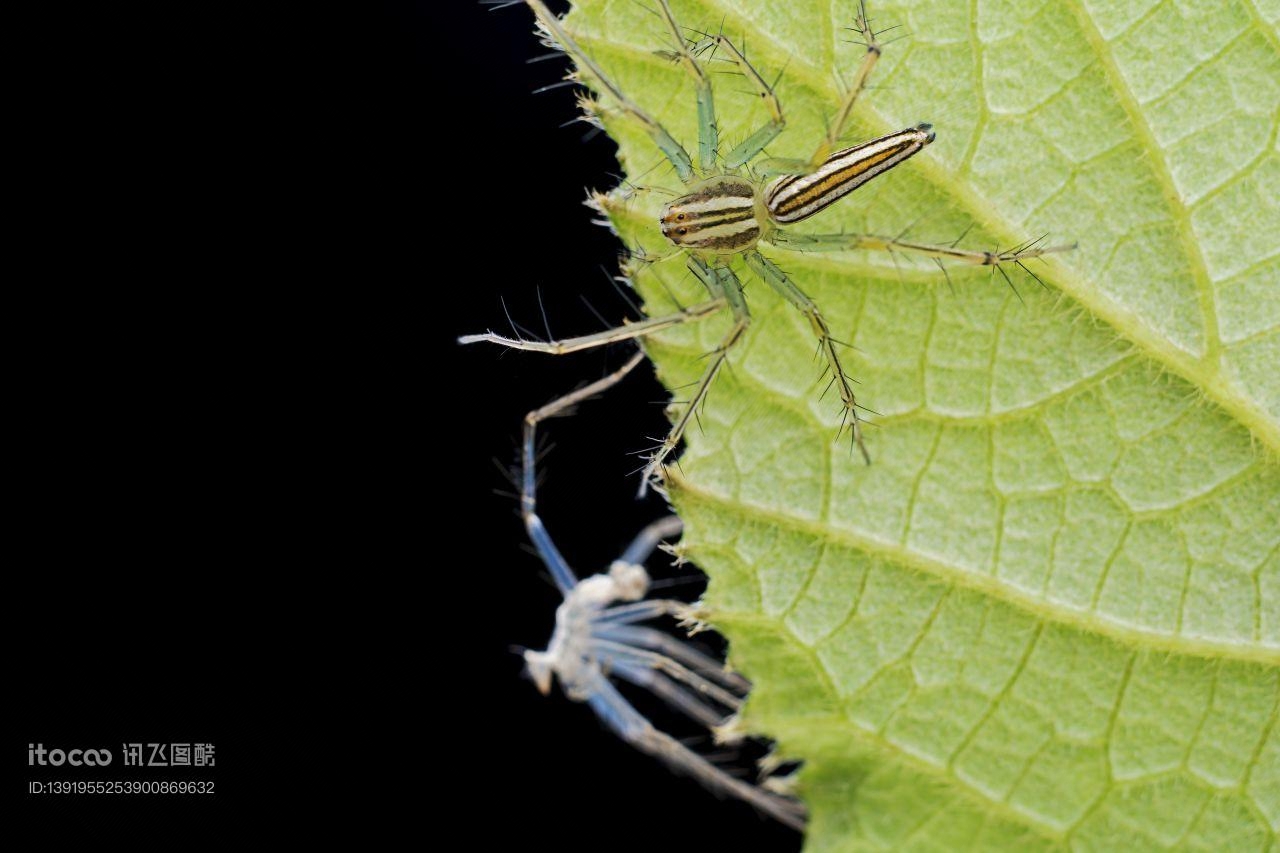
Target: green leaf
(1048,615)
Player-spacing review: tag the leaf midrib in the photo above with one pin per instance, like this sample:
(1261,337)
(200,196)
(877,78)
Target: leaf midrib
(1160,169)
(1205,374)
(946,773)
(986,584)
(842,722)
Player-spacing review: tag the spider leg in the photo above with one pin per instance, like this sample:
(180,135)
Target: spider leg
(624,653)
(722,282)
(625,332)
(641,611)
(669,646)
(708,131)
(837,127)
(756,142)
(773,276)
(648,539)
(563,575)
(670,692)
(939,252)
(629,725)
(673,150)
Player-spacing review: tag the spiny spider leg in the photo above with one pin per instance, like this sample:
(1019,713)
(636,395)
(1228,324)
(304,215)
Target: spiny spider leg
(673,150)
(756,142)
(941,251)
(593,640)
(717,279)
(708,131)
(786,288)
(836,129)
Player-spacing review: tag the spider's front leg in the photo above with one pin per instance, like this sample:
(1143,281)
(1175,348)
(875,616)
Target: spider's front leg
(708,130)
(673,150)
(756,142)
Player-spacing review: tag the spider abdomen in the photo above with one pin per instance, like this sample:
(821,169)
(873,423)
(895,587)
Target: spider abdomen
(792,198)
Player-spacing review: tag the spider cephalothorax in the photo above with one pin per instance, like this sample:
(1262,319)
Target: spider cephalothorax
(721,216)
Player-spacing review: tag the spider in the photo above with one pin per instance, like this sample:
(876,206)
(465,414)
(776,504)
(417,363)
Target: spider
(598,637)
(731,207)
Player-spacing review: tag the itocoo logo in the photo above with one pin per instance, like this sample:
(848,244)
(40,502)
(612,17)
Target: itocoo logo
(76,757)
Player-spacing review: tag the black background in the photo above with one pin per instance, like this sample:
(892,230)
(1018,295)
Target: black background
(253,498)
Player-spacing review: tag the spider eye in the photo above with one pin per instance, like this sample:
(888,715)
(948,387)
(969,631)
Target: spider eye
(680,217)
(682,230)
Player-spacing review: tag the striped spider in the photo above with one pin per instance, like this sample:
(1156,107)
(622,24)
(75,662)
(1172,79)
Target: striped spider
(599,638)
(732,205)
